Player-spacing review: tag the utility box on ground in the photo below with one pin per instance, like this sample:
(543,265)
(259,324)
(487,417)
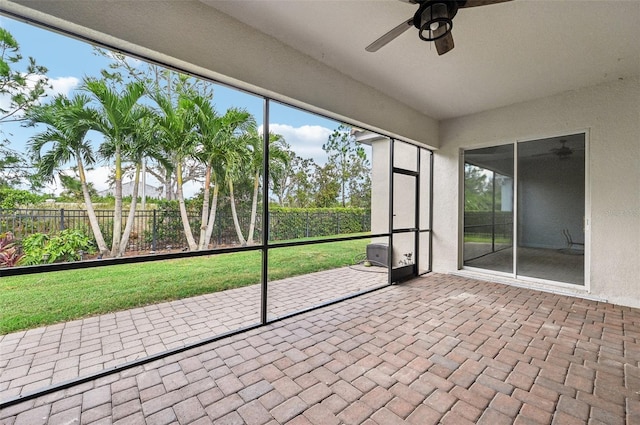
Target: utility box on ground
(378,254)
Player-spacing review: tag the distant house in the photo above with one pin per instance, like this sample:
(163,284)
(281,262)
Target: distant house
(127,190)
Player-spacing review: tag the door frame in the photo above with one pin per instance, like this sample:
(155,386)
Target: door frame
(406,272)
(531,281)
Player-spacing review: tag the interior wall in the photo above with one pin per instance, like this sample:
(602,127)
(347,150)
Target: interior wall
(190,35)
(611,115)
(551,196)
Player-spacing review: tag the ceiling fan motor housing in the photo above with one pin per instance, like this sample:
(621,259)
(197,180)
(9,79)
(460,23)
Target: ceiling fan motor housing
(434,21)
(434,18)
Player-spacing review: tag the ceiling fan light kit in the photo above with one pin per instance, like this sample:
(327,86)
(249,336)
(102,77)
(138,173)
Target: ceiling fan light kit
(434,18)
(434,21)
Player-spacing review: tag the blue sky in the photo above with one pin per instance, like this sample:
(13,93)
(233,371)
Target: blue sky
(69,60)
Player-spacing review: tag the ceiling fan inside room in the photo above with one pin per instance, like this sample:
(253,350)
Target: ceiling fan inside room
(563,152)
(434,21)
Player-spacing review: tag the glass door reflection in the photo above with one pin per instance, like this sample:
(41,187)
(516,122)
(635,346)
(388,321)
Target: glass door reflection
(488,208)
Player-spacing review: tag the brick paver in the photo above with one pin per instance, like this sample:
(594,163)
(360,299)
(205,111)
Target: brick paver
(439,349)
(36,358)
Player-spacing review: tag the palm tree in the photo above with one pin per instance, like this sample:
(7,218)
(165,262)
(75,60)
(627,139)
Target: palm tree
(216,151)
(117,121)
(252,143)
(233,172)
(142,146)
(67,121)
(207,120)
(277,154)
(176,125)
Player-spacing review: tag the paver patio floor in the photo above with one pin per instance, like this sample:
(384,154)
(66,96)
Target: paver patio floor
(438,349)
(37,358)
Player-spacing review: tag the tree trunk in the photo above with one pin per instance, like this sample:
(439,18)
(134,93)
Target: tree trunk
(254,208)
(212,217)
(132,213)
(91,214)
(117,210)
(143,202)
(169,187)
(183,209)
(164,177)
(241,238)
(205,209)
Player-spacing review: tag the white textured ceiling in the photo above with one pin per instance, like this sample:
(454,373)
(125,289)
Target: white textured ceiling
(505,53)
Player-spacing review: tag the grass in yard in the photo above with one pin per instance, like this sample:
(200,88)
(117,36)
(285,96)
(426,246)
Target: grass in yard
(486,239)
(41,299)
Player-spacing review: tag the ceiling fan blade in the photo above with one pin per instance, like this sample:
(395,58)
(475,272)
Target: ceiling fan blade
(474,3)
(444,44)
(390,36)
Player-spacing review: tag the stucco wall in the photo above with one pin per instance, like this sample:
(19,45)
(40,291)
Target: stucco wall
(380,187)
(611,115)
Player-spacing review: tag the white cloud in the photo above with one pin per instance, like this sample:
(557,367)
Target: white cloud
(62,85)
(306,141)
(189,189)
(5,102)
(99,176)
(5,98)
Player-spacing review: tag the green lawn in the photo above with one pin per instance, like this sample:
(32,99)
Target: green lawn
(486,239)
(41,299)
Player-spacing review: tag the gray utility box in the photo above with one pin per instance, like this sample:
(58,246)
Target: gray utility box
(377,254)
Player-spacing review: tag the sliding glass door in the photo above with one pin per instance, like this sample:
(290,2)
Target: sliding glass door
(488,208)
(551,209)
(546,178)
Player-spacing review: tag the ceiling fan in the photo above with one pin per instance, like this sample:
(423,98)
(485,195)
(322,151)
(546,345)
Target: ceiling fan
(434,20)
(563,152)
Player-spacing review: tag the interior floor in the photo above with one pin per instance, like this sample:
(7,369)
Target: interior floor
(560,265)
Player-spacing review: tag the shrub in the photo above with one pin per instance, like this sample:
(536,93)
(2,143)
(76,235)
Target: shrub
(33,247)
(293,223)
(9,252)
(14,198)
(67,246)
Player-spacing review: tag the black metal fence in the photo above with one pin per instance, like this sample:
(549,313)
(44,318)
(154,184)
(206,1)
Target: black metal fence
(162,229)
(488,224)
